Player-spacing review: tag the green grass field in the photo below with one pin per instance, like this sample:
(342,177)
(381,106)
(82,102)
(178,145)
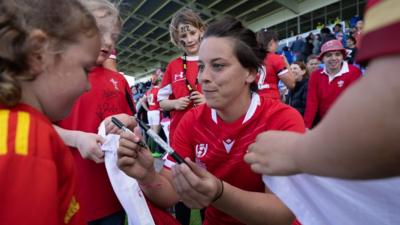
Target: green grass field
(195,217)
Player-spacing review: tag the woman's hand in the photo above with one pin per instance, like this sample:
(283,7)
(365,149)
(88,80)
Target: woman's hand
(196,187)
(134,160)
(127,120)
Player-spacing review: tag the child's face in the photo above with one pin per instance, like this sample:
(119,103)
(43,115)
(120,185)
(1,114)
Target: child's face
(189,38)
(109,32)
(65,76)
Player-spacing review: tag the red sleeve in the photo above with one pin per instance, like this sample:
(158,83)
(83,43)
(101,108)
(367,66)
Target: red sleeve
(182,137)
(279,65)
(167,76)
(288,119)
(357,73)
(381,32)
(312,100)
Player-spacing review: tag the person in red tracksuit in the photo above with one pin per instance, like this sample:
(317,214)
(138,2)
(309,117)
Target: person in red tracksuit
(44,61)
(325,85)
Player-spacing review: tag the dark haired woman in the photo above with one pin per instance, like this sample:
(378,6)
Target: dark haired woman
(213,138)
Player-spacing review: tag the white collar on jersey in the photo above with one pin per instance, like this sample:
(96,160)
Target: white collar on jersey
(192,58)
(343,70)
(255,101)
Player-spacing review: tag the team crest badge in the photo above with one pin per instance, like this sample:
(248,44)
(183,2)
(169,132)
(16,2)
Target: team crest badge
(201,150)
(340,83)
(115,83)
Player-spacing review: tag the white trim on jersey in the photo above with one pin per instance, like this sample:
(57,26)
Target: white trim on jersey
(214,115)
(191,58)
(255,101)
(283,72)
(262,71)
(164,93)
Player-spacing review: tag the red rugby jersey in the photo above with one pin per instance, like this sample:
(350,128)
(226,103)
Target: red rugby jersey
(151,96)
(268,77)
(37,173)
(220,147)
(173,86)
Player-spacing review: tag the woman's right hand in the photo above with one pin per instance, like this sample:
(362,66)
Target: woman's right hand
(134,160)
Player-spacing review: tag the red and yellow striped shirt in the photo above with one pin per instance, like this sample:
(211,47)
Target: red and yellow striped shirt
(37,173)
(381,31)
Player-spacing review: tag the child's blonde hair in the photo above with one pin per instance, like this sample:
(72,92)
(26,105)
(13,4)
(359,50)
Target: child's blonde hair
(184,16)
(62,21)
(109,9)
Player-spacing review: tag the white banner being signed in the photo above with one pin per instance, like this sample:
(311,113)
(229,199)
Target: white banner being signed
(126,188)
(328,201)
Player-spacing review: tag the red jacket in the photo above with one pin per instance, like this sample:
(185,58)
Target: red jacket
(323,92)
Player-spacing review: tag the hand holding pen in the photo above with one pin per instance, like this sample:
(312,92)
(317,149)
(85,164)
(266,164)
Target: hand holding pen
(134,160)
(121,126)
(152,135)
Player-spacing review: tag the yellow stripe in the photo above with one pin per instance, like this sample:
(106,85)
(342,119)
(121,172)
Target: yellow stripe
(4,115)
(381,15)
(22,135)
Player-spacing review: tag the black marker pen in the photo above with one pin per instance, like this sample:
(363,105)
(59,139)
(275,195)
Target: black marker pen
(161,142)
(121,126)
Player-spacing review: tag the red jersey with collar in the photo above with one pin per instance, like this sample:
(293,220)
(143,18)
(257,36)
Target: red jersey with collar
(322,93)
(381,32)
(173,86)
(220,147)
(151,96)
(106,97)
(37,173)
(268,76)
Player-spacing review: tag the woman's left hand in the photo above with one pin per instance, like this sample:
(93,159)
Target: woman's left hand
(196,187)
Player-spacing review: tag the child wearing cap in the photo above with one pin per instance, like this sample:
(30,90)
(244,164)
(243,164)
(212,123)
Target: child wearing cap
(327,84)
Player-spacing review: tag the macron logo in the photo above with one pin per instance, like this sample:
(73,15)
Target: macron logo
(228,143)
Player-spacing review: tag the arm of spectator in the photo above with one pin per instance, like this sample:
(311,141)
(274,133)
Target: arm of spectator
(88,144)
(358,137)
(143,102)
(175,104)
(287,76)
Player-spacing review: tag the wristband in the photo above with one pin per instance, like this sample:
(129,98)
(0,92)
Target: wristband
(218,196)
